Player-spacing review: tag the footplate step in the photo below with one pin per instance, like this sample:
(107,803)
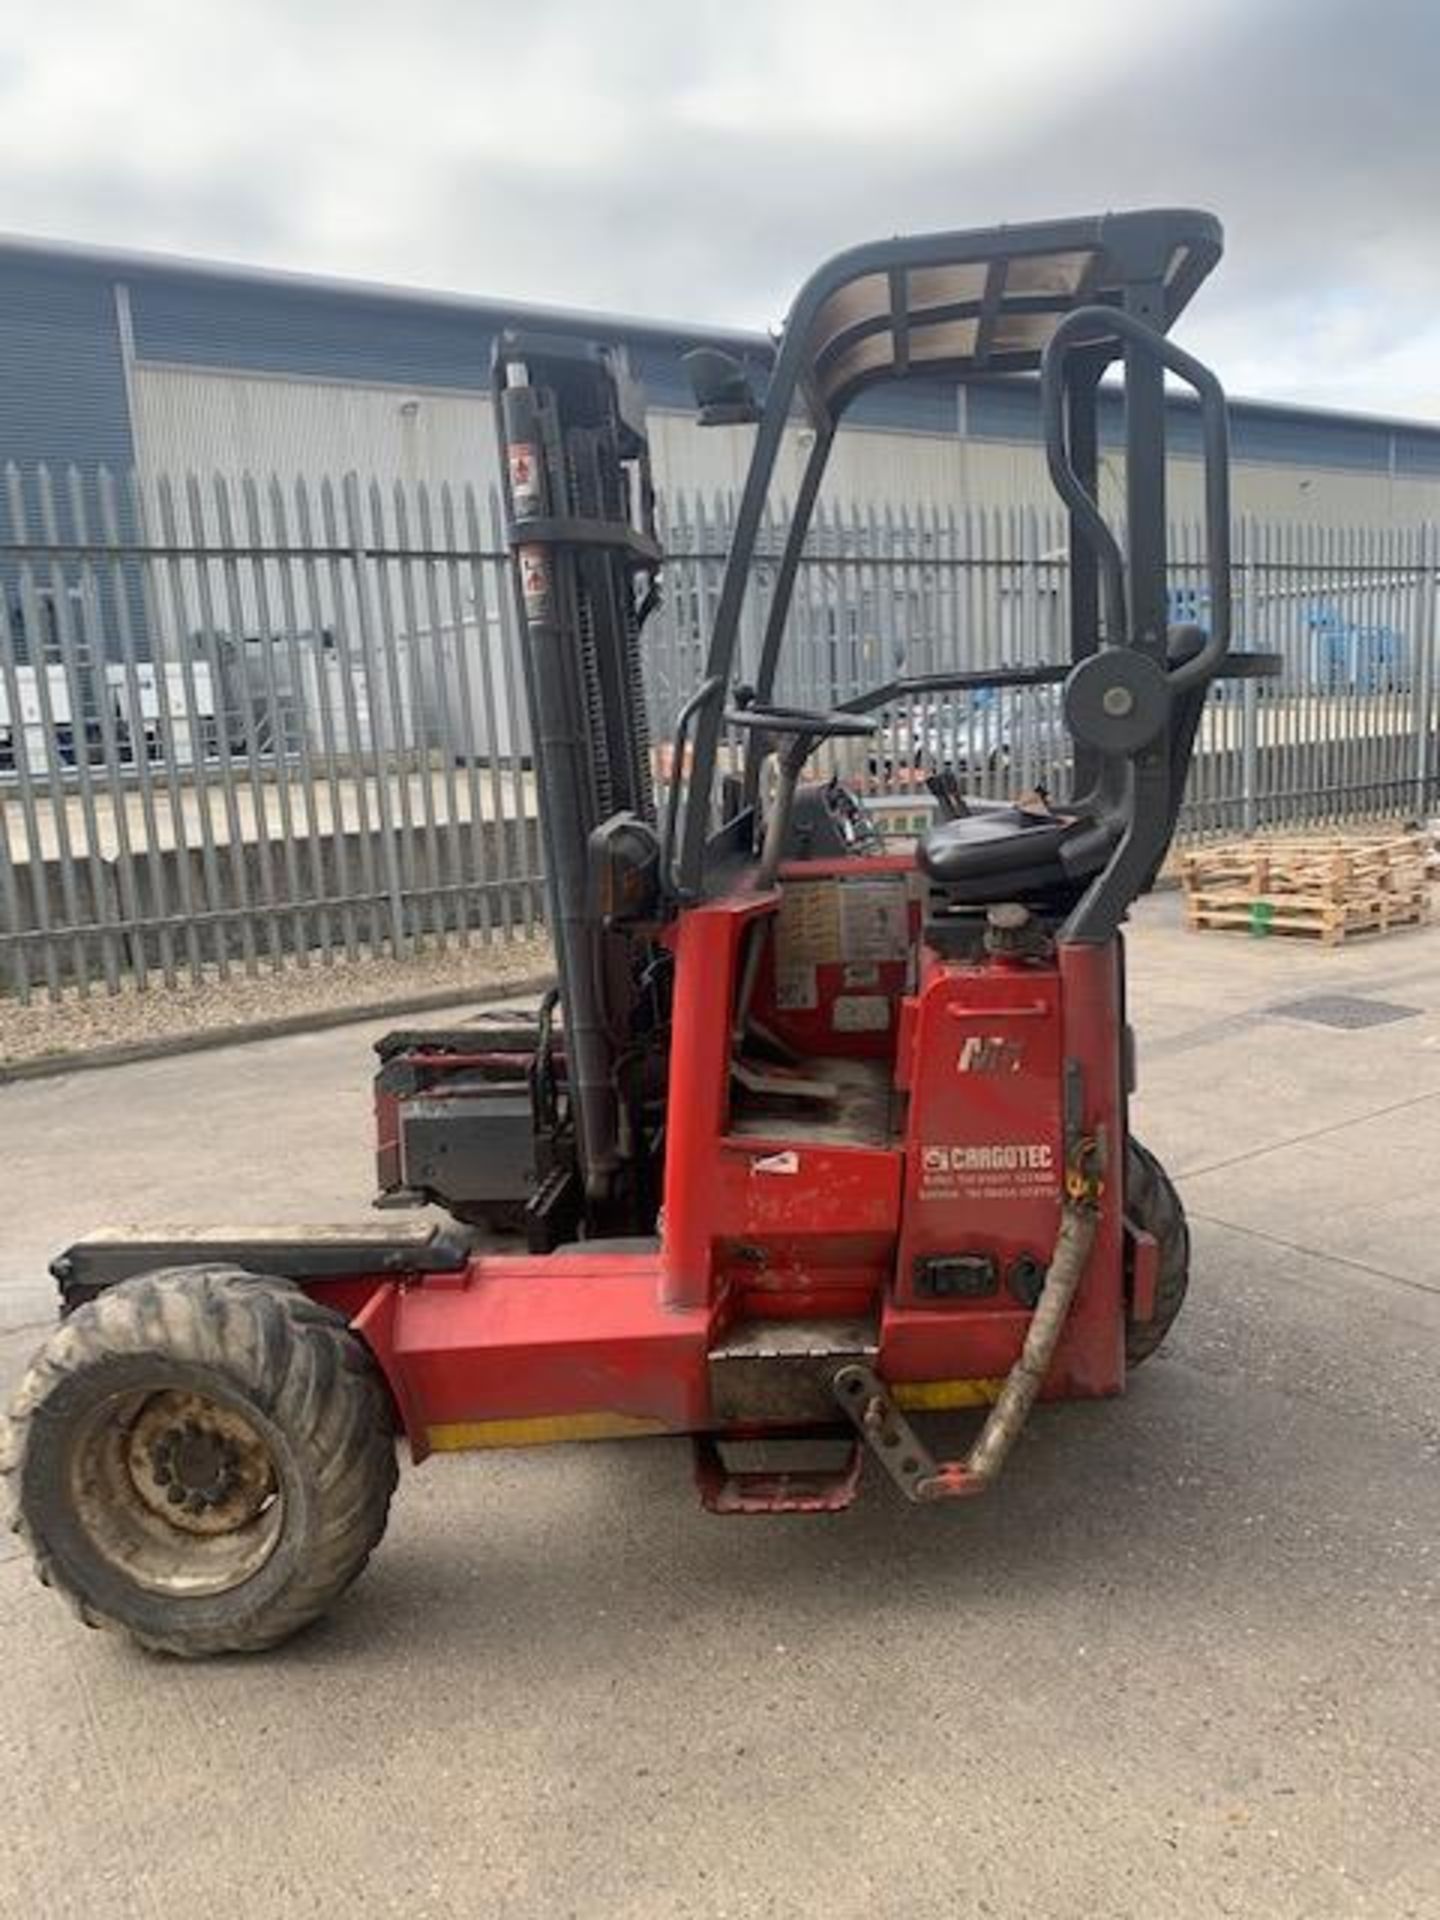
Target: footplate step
(723,1489)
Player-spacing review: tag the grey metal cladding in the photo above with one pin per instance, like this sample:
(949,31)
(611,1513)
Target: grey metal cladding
(278,329)
(62,381)
(62,393)
(1261,435)
(271,328)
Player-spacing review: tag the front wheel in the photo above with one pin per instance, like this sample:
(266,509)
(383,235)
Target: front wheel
(201,1457)
(1155,1207)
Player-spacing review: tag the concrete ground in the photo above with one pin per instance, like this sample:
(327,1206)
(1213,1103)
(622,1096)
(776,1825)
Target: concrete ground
(46,1031)
(1186,1661)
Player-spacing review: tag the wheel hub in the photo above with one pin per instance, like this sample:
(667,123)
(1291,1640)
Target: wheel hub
(200,1466)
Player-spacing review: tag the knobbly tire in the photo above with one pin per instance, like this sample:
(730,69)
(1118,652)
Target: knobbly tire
(201,1457)
(1153,1204)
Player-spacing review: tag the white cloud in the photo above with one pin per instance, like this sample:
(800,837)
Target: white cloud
(963,74)
(697,162)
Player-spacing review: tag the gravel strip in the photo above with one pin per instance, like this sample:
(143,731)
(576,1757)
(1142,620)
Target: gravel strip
(79,1024)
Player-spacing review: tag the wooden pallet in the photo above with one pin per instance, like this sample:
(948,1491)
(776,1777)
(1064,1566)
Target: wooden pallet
(1327,886)
(1334,865)
(1326,920)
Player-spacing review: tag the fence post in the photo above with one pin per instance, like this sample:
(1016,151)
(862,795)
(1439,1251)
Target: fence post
(1249,754)
(389,698)
(374,710)
(39,918)
(12,657)
(1427,585)
(1249,689)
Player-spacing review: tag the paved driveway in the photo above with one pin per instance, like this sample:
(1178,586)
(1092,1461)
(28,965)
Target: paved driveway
(1184,1663)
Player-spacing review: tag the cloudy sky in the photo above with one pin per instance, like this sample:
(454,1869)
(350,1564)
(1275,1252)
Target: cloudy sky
(694,162)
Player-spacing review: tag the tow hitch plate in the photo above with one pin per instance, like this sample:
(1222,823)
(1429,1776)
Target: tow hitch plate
(863,1397)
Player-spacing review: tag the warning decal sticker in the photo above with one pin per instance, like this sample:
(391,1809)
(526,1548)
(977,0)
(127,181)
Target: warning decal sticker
(858,925)
(860,1013)
(873,920)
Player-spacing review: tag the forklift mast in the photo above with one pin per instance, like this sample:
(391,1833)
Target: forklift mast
(581,528)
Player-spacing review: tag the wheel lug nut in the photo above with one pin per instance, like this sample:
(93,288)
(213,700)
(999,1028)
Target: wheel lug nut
(174,1495)
(197,1503)
(163,1475)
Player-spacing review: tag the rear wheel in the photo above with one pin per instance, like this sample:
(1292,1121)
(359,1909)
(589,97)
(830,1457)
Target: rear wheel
(1153,1204)
(202,1457)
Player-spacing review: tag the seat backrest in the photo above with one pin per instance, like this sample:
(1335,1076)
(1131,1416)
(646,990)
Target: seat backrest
(1182,644)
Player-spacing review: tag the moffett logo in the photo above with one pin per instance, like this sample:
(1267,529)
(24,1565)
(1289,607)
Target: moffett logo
(990,1053)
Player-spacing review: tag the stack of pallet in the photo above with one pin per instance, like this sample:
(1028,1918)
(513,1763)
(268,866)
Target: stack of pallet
(1328,886)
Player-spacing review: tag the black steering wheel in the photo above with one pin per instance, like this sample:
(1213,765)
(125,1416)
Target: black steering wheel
(803,731)
(797,723)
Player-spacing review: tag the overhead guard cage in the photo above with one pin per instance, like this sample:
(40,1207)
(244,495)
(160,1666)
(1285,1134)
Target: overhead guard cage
(957,306)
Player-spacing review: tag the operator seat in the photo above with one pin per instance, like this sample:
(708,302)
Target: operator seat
(1015,853)
(995,853)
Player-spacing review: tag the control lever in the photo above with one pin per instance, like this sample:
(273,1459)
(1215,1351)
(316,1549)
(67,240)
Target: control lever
(945,786)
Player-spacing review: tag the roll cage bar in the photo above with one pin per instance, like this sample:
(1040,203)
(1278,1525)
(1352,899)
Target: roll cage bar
(1066,298)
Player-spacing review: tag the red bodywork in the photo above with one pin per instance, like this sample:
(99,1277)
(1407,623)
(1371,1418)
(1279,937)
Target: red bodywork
(780,1222)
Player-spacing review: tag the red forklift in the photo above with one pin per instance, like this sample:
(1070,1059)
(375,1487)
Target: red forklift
(815,1134)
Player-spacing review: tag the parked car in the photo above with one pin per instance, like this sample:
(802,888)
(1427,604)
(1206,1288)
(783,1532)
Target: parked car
(1001,732)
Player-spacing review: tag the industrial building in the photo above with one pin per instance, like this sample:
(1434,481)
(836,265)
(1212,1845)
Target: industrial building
(178,366)
(187,658)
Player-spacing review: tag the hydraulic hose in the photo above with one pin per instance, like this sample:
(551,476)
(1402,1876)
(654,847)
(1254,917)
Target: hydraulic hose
(866,1401)
(1078,1222)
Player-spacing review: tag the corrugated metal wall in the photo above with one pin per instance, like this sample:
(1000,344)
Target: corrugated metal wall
(317,378)
(187,420)
(62,383)
(193,419)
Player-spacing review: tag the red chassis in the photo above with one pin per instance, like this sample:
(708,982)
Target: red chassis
(927,1216)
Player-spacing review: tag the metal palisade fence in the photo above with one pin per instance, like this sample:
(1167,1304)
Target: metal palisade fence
(247,724)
